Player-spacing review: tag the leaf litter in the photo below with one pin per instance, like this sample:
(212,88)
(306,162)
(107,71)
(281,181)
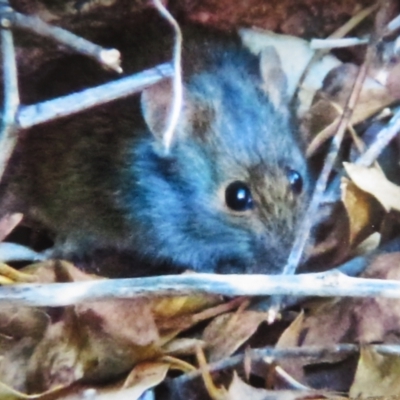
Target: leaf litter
(122,348)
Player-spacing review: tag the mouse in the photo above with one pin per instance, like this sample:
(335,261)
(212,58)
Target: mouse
(227,195)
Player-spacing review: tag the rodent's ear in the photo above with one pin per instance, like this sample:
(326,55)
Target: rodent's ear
(273,76)
(156,104)
(157,101)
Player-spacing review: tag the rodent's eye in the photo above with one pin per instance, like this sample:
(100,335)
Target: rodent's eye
(295,181)
(238,196)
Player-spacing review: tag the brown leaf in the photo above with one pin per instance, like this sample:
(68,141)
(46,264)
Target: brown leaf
(19,322)
(215,392)
(83,346)
(52,271)
(329,322)
(185,320)
(393,81)
(8,222)
(229,331)
(15,354)
(145,376)
(8,393)
(21,328)
(330,102)
(363,211)
(57,360)
(373,181)
(377,375)
(128,321)
(102,339)
(239,390)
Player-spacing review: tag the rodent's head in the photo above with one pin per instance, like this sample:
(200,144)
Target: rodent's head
(230,193)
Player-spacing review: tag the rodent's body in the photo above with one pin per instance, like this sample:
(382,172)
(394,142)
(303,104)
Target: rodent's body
(103,180)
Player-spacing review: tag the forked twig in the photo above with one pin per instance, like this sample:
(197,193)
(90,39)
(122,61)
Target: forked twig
(110,58)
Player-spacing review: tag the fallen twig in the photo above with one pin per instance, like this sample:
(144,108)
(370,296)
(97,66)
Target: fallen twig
(110,58)
(320,187)
(382,139)
(327,44)
(314,353)
(339,33)
(327,284)
(35,114)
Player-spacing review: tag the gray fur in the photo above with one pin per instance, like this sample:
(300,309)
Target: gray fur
(102,180)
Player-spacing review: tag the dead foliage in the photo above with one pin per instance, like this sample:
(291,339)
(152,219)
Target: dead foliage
(201,346)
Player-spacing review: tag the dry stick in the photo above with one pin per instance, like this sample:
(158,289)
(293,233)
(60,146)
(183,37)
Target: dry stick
(304,232)
(177,88)
(327,284)
(393,24)
(110,58)
(383,138)
(314,353)
(339,33)
(328,132)
(8,134)
(329,44)
(35,114)
(275,304)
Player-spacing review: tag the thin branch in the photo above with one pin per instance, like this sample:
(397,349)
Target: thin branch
(327,44)
(327,284)
(383,138)
(314,353)
(177,87)
(320,187)
(35,114)
(110,58)
(394,24)
(339,33)
(8,134)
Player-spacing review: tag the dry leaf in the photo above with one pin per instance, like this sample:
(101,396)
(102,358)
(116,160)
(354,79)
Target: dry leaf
(145,376)
(168,307)
(216,393)
(371,243)
(330,101)
(15,354)
(239,390)
(21,328)
(392,82)
(8,393)
(373,181)
(8,222)
(295,54)
(94,342)
(52,271)
(377,375)
(126,321)
(329,322)
(98,340)
(186,320)
(363,211)
(229,331)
